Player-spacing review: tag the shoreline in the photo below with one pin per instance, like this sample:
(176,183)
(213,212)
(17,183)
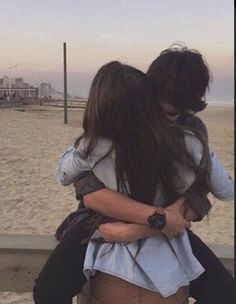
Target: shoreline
(220,104)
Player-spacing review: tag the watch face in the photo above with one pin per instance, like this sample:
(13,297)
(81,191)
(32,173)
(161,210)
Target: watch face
(160,220)
(157,221)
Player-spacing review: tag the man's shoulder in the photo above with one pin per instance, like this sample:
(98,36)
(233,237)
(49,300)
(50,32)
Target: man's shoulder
(192,122)
(191,119)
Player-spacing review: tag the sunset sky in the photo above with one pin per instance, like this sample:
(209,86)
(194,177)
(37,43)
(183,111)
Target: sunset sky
(98,31)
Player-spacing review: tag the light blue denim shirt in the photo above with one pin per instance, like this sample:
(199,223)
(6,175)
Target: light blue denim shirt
(161,265)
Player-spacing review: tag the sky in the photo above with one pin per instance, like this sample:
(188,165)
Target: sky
(98,31)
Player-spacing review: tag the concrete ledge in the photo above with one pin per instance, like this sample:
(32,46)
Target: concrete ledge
(23,256)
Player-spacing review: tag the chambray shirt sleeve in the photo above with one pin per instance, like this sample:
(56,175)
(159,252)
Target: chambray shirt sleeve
(222,185)
(221,182)
(70,165)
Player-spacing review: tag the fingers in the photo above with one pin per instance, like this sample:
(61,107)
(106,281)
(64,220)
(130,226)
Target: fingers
(103,228)
(174,231)
(173,234)
(187,224)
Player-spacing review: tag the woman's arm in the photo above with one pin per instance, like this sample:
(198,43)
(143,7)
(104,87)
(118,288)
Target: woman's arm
(113,204)
(120,232)
(222,185)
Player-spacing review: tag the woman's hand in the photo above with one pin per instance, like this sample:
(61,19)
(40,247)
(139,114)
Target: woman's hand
(175,221)
(120,232)
(188,213)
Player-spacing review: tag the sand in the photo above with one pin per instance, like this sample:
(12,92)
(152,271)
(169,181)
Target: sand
(33,202)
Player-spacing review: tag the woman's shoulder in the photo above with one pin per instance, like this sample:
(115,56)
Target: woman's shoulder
(190,137)
(103,146)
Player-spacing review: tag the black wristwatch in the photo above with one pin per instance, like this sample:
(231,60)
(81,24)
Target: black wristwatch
(157,220)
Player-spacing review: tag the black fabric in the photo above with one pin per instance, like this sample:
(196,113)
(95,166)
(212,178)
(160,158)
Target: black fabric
(193,122)
(215,285)
(86,183)
(62,276)
(196,199)
(70,221)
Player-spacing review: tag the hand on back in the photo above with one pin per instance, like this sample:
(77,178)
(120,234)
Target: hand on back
(175,221)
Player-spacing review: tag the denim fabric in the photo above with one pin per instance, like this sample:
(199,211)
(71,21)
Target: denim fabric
(161,266)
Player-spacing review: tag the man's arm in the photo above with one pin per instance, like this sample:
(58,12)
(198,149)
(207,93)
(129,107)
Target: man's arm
(120,232)
(118,206)
(87,183)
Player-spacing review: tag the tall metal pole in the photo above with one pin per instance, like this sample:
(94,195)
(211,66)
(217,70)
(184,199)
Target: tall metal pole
(65,84)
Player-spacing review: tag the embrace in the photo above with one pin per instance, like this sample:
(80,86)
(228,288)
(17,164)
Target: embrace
(142,170)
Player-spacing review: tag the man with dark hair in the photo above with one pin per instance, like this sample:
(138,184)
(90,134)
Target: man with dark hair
(180,79)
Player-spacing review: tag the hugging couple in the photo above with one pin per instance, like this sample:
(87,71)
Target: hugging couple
(142,170)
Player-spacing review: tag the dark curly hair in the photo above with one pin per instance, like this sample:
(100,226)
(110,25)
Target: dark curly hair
(181,77)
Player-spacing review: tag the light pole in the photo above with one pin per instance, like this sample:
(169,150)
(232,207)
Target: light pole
(65,83)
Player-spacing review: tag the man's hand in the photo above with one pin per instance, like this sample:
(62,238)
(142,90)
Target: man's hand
(175,222)
(120,232)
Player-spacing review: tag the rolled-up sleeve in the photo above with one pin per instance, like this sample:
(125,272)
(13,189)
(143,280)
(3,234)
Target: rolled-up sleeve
(221,183)
(70,165)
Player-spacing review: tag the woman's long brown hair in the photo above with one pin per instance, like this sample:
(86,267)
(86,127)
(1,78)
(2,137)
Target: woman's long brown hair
(120,108)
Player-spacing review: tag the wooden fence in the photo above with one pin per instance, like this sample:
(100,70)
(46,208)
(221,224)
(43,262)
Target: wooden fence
(77,104)
(60,103)
(22,257)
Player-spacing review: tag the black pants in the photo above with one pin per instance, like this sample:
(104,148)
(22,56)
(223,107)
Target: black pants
(62,276)
(215,285)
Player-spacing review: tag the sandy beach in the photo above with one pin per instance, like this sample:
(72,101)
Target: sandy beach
(33,202)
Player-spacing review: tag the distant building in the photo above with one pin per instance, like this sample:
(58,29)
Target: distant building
(16,88)
(45,90)
(19,82)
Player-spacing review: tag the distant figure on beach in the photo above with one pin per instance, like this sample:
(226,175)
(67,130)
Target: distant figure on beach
(109,203)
